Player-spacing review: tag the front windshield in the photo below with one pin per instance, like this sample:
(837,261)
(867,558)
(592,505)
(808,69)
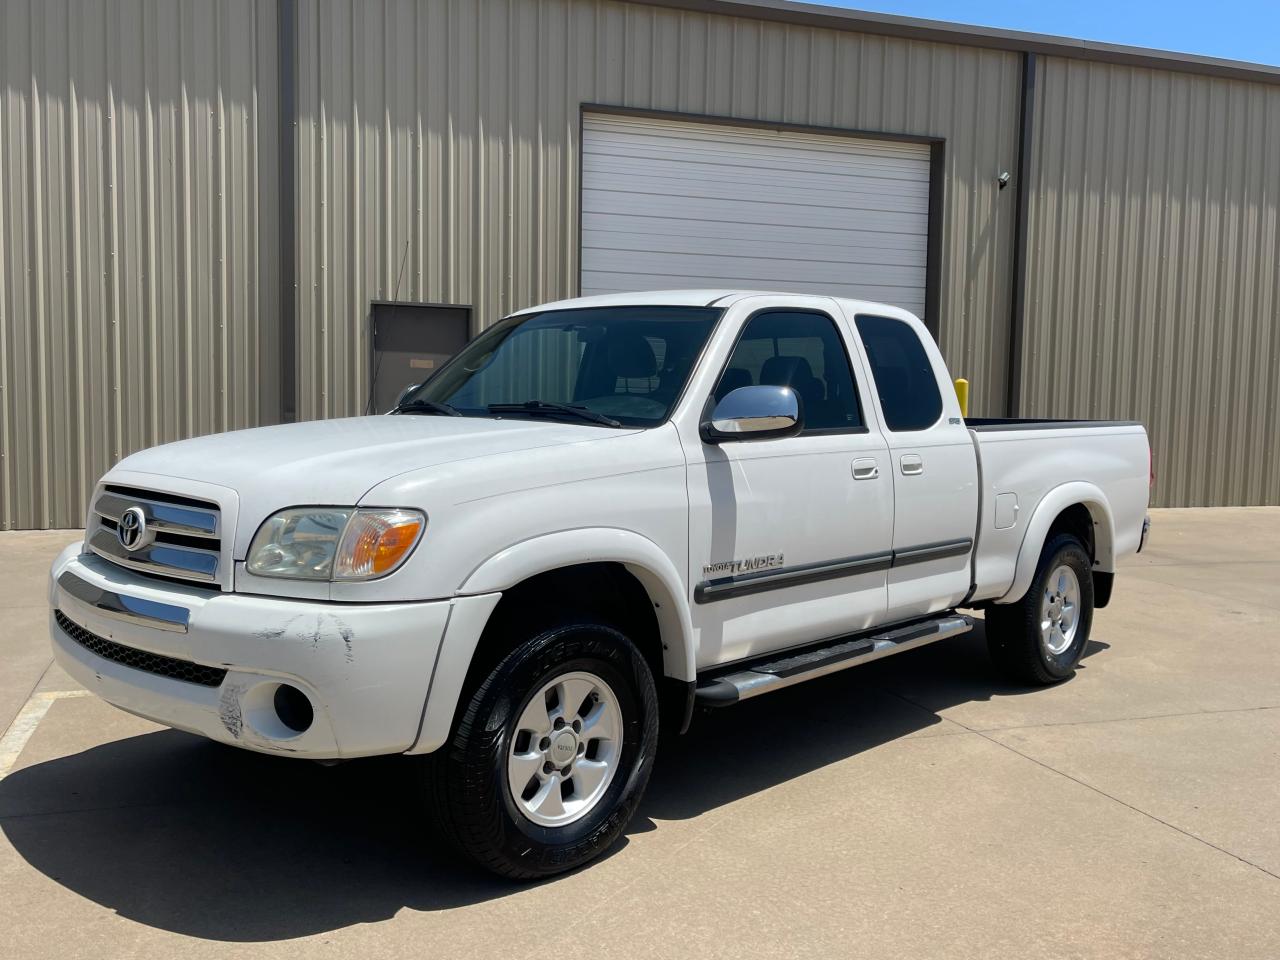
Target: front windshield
(627,364)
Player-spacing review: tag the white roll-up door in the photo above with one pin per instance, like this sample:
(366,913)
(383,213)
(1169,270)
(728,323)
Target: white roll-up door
(670,204)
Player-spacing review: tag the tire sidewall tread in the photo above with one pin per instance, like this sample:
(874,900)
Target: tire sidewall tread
(468,782)
(1013,630)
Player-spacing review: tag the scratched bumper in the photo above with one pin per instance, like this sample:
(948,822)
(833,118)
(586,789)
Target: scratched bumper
(365,669)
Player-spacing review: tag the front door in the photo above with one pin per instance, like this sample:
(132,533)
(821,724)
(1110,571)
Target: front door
(790,538)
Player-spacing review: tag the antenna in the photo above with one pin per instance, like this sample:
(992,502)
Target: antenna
(395,300)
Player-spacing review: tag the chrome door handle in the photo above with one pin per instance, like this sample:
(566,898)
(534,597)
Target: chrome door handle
(912,465)
(865,469)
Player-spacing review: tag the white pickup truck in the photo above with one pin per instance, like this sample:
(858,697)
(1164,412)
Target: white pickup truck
(601,514)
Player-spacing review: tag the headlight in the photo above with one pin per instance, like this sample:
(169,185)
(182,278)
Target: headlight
(334,543)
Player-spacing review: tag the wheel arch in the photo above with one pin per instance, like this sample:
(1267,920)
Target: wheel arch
(1079,507)
(638,555)
(566,560)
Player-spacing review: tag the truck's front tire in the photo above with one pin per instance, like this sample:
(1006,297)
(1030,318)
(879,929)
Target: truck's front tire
(551,755)
(1040,638)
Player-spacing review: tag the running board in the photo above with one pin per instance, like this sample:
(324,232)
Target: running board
(769,675)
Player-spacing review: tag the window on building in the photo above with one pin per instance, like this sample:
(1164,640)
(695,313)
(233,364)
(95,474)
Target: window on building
(803,351)
(905,380)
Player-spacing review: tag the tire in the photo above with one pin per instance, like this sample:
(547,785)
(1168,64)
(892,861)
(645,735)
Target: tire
(517,831)
(1025,640)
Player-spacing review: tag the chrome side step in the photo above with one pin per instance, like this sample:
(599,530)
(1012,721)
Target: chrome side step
(768,675)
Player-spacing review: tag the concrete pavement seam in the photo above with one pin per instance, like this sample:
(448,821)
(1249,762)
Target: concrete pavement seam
(1103,793)
(107,808)
(1154,716)
(1157,564)
(1270,607)
(1151,816)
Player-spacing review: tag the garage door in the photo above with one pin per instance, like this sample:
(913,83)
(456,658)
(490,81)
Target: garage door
(672,204)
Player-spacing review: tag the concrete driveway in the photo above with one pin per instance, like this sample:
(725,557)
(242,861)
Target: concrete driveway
(916,807)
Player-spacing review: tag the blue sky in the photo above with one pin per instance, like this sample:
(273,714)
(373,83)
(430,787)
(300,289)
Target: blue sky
(1236,29)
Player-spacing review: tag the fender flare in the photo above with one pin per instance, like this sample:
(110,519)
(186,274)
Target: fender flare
(1051,504)
(643,558)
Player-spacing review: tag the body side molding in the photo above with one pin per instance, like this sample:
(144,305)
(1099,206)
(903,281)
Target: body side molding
(725,588)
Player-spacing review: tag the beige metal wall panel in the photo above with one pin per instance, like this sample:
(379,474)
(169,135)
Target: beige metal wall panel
(438,153)
(1153,276)
(138,237)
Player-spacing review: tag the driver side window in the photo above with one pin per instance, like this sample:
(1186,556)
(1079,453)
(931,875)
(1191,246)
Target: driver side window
(803,351)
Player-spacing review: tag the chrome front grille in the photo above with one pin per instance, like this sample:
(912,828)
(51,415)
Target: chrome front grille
(165,535)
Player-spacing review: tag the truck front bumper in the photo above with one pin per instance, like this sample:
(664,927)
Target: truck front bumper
(232,667)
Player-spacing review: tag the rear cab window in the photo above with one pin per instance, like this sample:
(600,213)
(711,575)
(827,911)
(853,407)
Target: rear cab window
(904,378)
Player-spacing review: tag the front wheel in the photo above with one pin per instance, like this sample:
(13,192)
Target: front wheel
(1040,638)
(552,753)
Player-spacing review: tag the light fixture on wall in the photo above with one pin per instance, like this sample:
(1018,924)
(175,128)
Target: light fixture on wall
(1003,179)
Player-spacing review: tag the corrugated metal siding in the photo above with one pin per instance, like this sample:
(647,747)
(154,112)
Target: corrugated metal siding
(138,237)
(438,151)
(444,135)
(1154,270)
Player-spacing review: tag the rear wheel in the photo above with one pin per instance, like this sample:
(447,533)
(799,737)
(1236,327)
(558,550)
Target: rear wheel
(1040,638)
(552,753)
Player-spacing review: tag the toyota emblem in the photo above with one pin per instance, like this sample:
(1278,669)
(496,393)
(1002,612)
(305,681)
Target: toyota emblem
(132,530)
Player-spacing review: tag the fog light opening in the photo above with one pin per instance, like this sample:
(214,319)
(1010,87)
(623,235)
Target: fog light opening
(293,708)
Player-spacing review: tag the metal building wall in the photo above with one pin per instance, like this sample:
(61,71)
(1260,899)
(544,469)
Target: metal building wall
(1153,274)
(437,154)
(138,236)
(438,145)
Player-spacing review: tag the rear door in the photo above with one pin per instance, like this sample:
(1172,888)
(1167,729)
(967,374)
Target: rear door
(789,538)
(932,463)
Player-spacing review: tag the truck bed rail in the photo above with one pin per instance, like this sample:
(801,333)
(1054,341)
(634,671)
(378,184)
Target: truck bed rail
(994,424)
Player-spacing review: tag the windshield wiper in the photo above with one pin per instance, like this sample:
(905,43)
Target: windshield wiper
(548,406)
(420,405)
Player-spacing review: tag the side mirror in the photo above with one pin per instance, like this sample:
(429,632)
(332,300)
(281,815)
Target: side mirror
(754,413)
(405,392)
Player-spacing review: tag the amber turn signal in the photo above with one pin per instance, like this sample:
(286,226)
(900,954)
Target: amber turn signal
(376,542)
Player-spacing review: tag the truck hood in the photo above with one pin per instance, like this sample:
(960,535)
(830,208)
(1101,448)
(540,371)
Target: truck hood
(337,461)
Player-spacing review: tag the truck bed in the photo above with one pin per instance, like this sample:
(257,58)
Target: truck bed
(1028,464)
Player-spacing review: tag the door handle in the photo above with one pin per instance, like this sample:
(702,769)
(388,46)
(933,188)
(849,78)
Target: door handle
(865,469)
(912,465)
